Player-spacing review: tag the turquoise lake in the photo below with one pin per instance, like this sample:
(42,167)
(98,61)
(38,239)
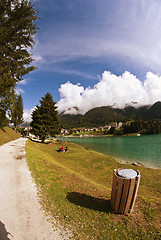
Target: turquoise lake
(142,149)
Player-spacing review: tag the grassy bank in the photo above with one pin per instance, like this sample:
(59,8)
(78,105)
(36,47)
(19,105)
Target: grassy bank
(76,189)
(8,134)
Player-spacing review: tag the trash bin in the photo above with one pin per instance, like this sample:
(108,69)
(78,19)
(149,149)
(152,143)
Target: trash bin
(124,190)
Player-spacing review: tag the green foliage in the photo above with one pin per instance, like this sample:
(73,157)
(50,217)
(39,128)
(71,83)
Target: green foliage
(17,111)
(44,118)
(70,121)
(102,116)
(3,119)
(143,127)
(155,111)
(17,27)
(112,130)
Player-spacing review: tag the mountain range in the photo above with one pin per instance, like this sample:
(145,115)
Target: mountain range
(101,116)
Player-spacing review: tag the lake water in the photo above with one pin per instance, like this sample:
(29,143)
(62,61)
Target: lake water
(144,149)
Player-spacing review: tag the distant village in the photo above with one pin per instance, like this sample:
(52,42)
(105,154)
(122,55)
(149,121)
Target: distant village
(138,127)
(81,131)
(85,131)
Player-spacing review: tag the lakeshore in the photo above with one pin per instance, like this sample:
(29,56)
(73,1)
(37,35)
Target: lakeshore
(144,150)
(76,190)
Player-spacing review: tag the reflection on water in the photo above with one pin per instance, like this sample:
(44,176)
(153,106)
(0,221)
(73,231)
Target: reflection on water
(144,149)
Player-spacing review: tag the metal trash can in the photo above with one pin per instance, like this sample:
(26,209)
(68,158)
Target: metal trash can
(124,190)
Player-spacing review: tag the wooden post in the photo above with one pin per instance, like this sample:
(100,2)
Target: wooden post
(114,190)
(135,192)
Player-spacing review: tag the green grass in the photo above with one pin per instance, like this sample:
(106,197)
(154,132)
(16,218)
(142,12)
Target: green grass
(8,134)
(76,189)
(98,132)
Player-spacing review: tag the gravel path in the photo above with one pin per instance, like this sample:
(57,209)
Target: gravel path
(21,216)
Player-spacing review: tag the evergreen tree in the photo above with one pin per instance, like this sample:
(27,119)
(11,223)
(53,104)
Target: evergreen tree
(17,111)
(3,119)
(45,121)
(17,27)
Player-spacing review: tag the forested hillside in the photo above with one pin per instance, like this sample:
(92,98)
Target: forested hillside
(102,116)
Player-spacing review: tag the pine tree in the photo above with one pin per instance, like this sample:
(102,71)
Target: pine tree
(17,27)
(4,121)
(17,111)
(45,121)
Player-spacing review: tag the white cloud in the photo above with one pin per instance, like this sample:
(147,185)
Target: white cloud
(38,58)
(110,90)
(70,97)
(20,85)
(73,72)
(19,90)
(27,114)
(152,87)
(23,82)
(121,28)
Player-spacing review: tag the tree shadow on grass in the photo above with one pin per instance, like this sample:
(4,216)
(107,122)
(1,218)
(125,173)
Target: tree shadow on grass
(83,200)
(3,129)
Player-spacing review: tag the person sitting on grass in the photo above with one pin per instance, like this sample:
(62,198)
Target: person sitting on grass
(61,149)
(66,149)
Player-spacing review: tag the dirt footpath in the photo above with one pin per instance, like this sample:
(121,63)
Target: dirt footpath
(21,216)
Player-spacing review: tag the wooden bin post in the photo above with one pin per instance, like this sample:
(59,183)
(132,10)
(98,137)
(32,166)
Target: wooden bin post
(124,191)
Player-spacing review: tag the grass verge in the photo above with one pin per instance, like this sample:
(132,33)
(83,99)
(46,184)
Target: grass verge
(76,189)
(8,134)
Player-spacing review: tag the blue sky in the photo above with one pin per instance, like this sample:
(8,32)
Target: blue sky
(91,53)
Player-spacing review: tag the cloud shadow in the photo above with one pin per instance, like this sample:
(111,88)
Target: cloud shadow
(83,200)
